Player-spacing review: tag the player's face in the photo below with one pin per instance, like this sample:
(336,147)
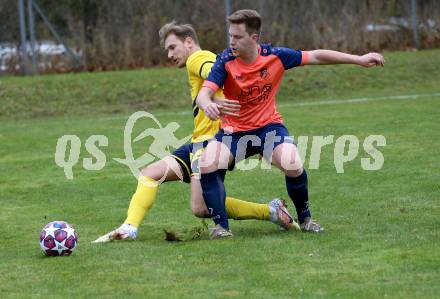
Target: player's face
(240,40)
(178,51)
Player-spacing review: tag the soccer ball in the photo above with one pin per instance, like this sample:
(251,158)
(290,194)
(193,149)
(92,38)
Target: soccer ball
(58,238)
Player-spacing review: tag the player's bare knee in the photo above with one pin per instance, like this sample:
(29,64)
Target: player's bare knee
(216,156)
(166,169)
(198,206)
(293,173)
(208,169)
(200,212)
(151,173)
(208,163)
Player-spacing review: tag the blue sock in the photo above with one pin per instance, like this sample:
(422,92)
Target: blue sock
(215,195)
(298,192)
(222,174)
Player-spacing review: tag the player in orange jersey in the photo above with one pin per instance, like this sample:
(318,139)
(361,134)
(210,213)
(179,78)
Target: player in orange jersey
(250,74)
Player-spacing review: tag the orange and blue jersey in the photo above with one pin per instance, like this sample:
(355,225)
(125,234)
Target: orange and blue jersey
(254,85)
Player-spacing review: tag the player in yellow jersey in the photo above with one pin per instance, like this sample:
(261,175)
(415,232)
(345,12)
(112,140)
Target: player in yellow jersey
(182,46)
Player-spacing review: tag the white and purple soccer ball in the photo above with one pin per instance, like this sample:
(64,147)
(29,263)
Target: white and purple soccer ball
(58,238)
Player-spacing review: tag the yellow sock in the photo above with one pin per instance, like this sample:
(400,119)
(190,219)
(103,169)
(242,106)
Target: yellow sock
(142,200)
(240,209)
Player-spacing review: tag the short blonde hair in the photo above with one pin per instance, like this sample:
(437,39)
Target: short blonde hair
(182,31)
(251,18)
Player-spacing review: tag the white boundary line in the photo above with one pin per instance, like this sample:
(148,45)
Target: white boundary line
(300,104)
(360,100)
(336,102)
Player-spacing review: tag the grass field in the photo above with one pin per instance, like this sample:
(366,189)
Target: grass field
(382,227)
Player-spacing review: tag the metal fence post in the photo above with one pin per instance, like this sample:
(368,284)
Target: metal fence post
(32,37)
(227,14)
(55,34)
(415,23)
(24,60)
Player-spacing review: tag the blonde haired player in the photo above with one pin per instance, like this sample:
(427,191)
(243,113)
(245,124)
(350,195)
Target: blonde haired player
(183,49)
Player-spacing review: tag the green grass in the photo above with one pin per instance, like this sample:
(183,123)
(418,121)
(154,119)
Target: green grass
(127,91)
(381,238)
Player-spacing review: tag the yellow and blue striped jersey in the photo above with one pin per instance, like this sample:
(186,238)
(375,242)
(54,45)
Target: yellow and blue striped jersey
(198,66)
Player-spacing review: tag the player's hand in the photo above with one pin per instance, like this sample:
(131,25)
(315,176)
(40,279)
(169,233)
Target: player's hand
(228,107)
(212,111)
(371,59)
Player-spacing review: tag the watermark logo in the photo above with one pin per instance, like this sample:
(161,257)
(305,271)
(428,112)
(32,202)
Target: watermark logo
(164,141)
(346,148)
(68,147)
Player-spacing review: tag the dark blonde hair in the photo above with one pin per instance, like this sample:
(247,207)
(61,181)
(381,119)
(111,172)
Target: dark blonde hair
(251,18)
(182,31)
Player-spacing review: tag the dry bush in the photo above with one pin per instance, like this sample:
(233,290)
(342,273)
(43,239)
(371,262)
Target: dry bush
(115,34)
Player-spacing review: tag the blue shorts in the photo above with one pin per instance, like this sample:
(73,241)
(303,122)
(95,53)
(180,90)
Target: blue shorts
(188,158)
(260,141)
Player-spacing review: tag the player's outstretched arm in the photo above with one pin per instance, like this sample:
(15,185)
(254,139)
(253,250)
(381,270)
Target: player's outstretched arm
(319,57)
